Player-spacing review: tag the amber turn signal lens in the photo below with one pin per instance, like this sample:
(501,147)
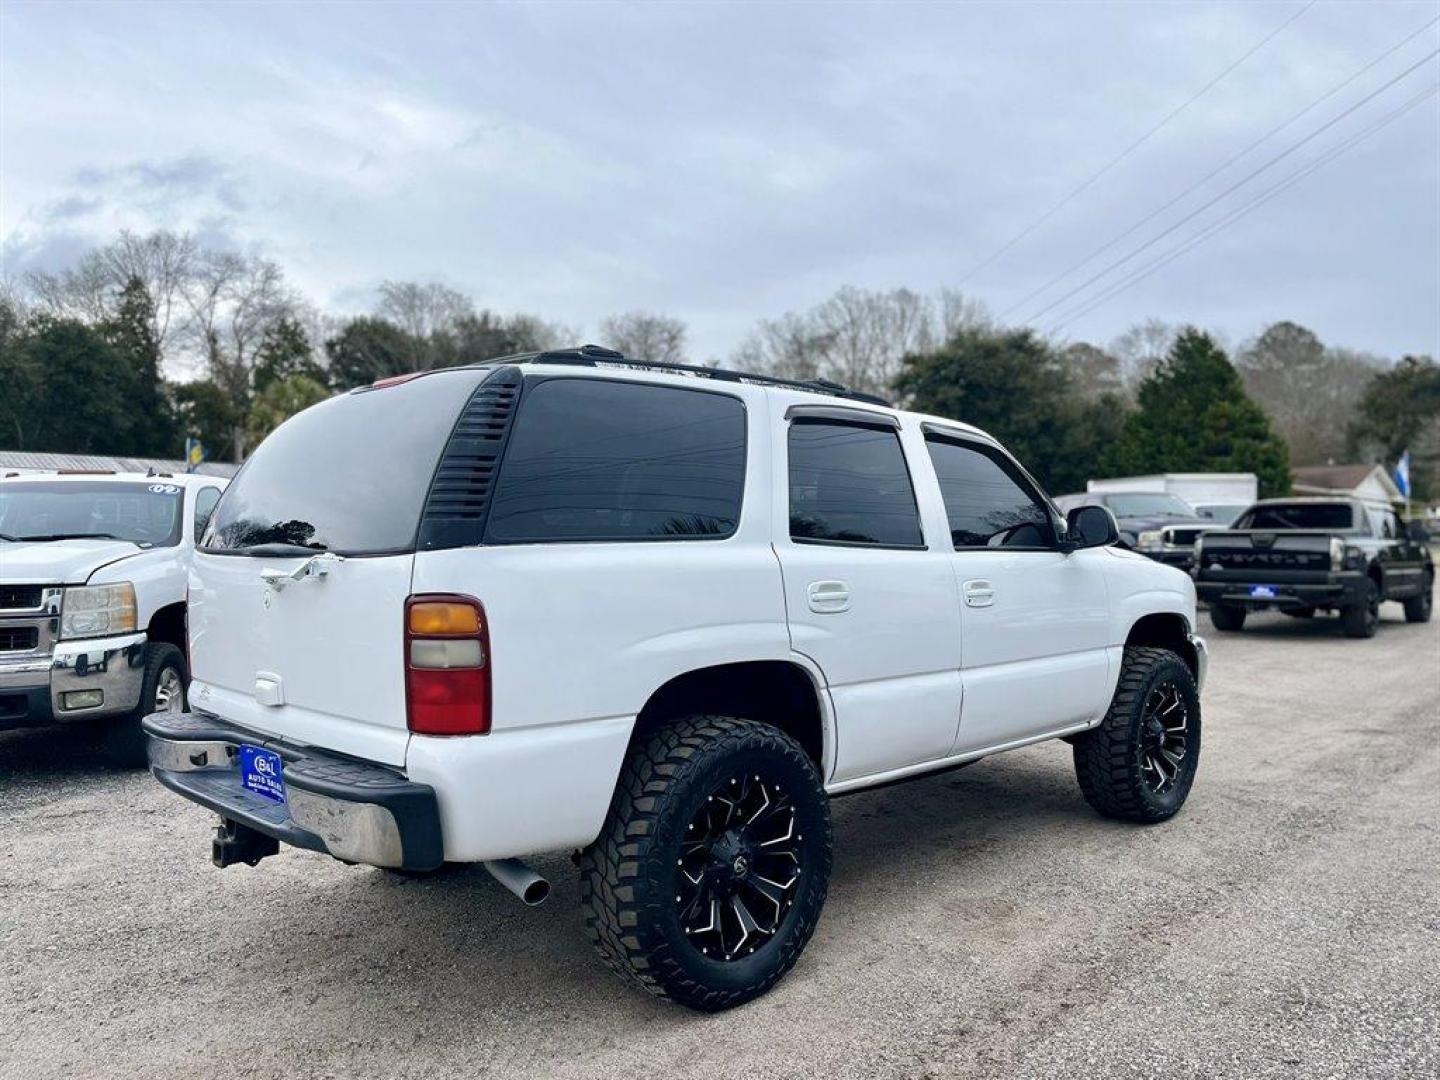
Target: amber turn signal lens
(437,617)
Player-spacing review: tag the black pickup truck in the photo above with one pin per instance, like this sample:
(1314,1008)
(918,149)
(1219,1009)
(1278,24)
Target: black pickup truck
(1308,555)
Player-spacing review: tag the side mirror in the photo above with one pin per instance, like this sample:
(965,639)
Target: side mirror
(1090,526)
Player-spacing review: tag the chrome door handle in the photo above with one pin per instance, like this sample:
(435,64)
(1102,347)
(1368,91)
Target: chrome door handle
(828,597)
(318,567)
(978,593)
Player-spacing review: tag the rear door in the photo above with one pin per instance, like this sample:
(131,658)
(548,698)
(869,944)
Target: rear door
(867,599)
(298,588)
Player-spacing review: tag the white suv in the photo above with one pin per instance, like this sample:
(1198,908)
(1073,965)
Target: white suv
(656,615)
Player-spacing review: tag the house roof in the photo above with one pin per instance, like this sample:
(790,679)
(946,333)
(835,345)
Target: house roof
(1334,477)
(1346,480)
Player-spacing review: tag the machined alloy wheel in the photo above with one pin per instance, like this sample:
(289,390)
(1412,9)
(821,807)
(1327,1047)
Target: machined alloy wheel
(1139,763)
(740,865)
(169,692)
(710,872)
(1163,737)
(1362,619)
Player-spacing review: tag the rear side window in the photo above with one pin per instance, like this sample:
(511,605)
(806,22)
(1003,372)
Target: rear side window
(987,502)
(594,459)
(849,485)
(348,475)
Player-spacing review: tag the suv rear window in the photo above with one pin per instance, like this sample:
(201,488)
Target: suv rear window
(1299,516)
(594,459)
(348,475)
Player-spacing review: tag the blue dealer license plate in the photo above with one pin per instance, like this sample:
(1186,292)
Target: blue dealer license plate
(1262,592)
(260,773)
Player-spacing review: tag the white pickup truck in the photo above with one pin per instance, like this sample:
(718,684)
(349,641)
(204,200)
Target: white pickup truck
(657,616)
(93,570)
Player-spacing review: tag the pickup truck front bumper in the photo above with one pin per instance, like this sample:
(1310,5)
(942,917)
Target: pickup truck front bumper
(36,689)
(1338,591)
(354,810)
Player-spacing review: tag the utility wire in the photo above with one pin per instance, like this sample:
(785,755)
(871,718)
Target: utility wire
(1087,306)
(1067,199)
(1218,169)
(1234,187)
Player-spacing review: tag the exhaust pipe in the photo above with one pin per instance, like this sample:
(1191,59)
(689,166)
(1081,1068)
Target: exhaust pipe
(520,880)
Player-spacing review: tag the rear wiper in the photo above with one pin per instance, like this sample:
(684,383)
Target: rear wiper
(12,539)
(281,550)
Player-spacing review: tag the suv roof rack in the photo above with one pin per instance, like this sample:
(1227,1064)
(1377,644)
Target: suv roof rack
(596,356)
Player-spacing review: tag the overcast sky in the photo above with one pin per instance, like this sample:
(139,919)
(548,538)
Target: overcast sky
(723,163)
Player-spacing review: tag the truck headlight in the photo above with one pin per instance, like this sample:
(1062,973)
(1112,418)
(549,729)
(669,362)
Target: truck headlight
(1337,553)
(1150,540)
(97,610)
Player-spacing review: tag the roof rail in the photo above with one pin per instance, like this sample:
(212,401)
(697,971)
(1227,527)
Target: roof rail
(597,356)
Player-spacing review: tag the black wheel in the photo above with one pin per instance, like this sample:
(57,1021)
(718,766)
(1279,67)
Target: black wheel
(1362,619)
(1299,612)
(1139,764)
(163,690)
(708,877)
(1417,608)
(1227,616)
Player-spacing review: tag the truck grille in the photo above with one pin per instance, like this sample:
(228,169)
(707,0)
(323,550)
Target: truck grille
(1183,537)
(1268,560)
(20,597)
(18,638)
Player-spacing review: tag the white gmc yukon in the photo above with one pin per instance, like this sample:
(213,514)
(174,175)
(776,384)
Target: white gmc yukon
(656,616)
(93,570)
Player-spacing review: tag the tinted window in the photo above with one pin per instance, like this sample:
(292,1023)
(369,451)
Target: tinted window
(145,513)
(849,485)
(1298,516)
(591,459)
(986,501)
(348,475)
(204,506)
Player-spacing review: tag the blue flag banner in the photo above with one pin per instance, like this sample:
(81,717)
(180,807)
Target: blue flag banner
(1402,474)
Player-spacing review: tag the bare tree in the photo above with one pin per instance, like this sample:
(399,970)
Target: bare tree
(233,301)
(1141,348)
(644,335)
(427,311)
(857,337)
(163,262)
(1310,392)
(1095,371)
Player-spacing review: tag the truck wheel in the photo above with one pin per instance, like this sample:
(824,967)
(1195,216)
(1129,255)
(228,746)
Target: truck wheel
(1227,617)
(163,690)
(1361,620)
(1138,765)
(708,877)
(1417,608)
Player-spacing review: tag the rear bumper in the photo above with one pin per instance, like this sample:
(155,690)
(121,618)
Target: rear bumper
(1339,591)
(353,810)
(33,689)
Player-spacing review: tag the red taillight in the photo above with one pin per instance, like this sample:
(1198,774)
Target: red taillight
(447,665)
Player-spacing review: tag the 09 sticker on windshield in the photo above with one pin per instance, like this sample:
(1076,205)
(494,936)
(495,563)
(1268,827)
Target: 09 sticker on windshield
(261,772)
(164,489)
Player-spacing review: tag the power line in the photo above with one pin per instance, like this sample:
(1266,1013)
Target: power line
(1087,306)
(1218,169)
(1067,199)
(1233,187)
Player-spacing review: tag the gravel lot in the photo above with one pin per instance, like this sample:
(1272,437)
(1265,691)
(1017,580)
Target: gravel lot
(981,923)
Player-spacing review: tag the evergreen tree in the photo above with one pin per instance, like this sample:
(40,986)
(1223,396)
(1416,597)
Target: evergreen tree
(367,349)
(1194,416)
(150,425)
(1011,384)
(285,351)
(207,413)
(72,391)
(279,401)
(1401,411)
